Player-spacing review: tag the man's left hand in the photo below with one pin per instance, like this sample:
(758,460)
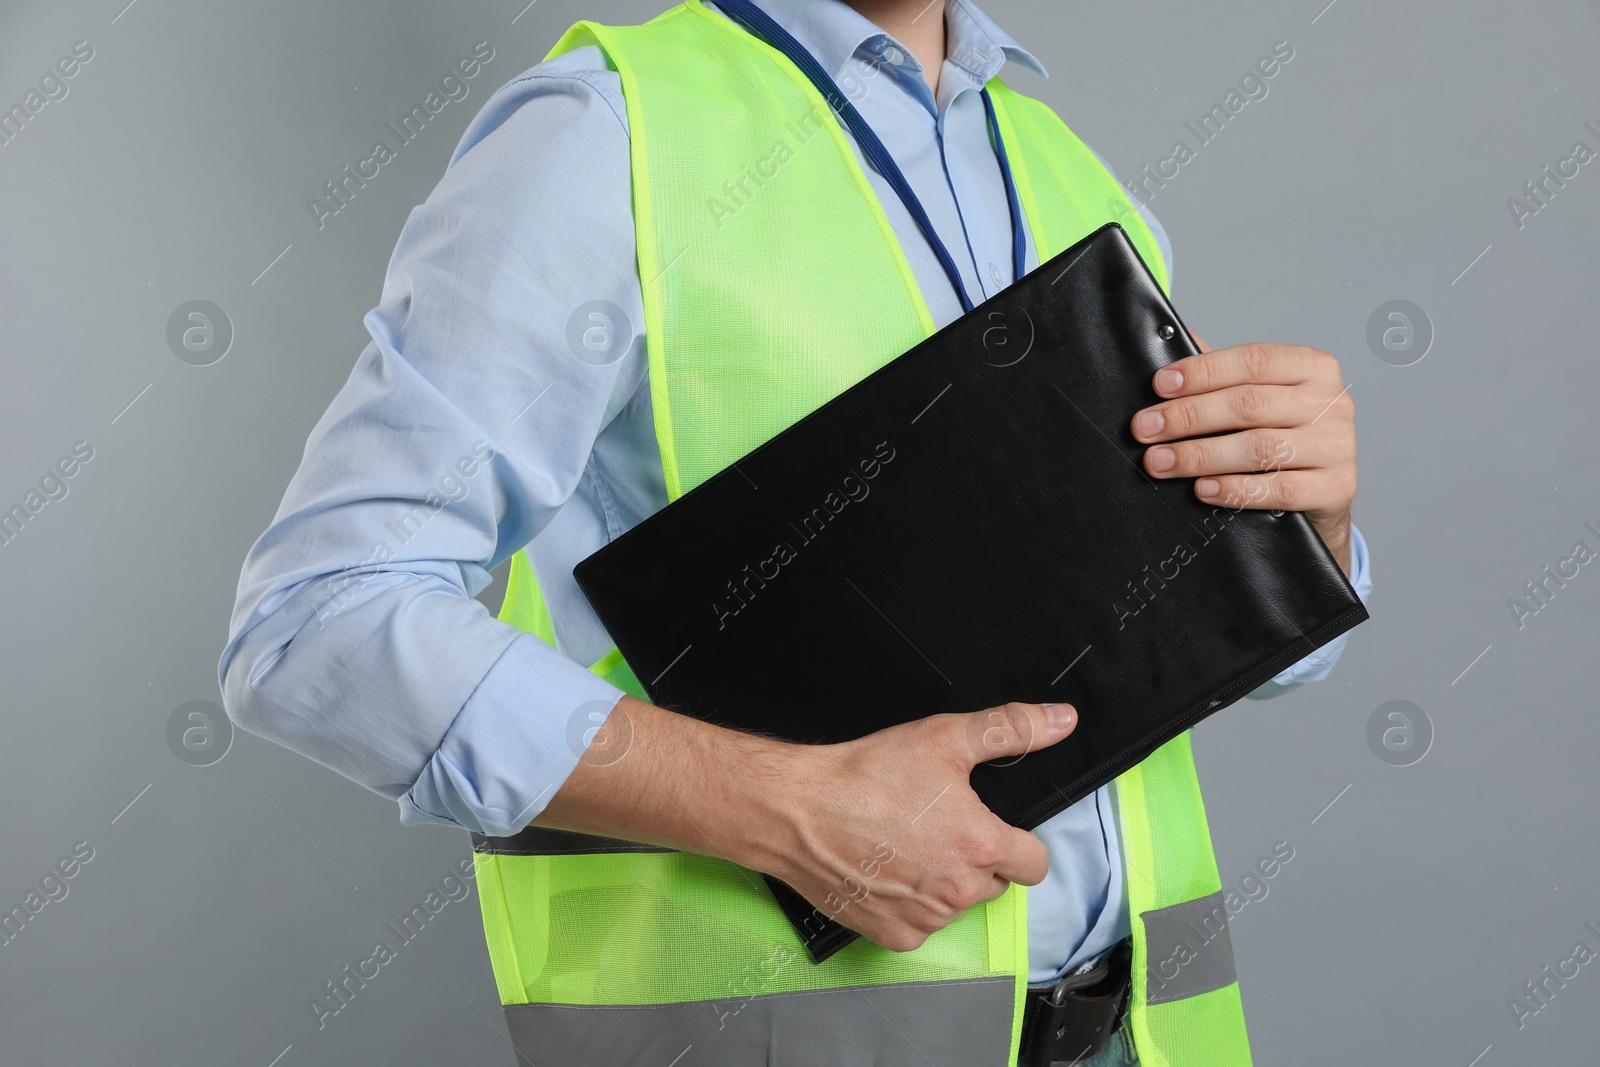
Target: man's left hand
(1285,426)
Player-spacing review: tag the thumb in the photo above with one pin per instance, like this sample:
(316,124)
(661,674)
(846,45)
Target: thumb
(1013,730)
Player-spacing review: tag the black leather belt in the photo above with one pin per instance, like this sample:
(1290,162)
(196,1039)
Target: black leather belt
(1073,1019)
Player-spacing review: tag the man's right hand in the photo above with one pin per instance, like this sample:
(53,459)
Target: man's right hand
(884,833)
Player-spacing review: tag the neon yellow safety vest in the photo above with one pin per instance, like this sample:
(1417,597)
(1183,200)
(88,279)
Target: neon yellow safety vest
(772,282)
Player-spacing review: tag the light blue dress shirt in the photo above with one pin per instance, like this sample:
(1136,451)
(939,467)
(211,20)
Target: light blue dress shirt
(479,421)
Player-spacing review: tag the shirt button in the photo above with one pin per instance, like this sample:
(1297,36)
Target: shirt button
(894,55)
(994,275)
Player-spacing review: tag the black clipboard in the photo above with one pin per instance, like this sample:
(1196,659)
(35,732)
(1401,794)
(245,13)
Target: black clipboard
(970,525)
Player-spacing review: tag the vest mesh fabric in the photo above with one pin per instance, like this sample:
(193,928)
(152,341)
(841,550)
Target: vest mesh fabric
(773,281)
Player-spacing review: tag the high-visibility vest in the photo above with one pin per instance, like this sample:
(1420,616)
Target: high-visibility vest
(772,282)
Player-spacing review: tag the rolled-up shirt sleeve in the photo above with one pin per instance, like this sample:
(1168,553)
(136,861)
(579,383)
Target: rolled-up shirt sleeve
(465,425)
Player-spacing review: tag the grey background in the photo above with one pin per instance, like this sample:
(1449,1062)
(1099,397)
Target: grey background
(178,168)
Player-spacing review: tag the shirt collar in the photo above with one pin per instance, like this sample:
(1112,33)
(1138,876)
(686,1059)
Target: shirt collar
(833,32)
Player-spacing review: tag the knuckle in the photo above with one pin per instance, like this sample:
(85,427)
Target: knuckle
(904,940)
(945,726)
(1347,484)
(1257,361)
(1184,416)
(1006,723)
(957,897)
(957,735)
(1290,492)
(977,850)
(1250,402)
(1265,449)
(932,733)
(1016,712)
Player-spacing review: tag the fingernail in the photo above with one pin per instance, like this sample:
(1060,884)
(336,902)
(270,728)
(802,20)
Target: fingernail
(1169,380)
(1207,487)
(1163,459)
(1060,715)
(1150,423)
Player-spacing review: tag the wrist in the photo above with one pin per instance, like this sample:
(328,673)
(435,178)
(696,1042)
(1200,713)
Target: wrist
(1335,533)
(656,776)
(761,799)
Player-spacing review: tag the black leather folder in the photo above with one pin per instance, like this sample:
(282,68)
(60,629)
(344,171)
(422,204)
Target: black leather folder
(971,525)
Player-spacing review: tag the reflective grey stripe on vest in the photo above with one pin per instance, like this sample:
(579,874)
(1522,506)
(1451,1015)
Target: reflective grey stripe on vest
(1188,950)
(958,1023)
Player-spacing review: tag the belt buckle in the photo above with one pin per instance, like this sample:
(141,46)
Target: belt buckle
(1079,980)
(1072,1023)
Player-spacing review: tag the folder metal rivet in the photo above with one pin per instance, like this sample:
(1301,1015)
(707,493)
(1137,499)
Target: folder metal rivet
(1166,332)
(1276,514)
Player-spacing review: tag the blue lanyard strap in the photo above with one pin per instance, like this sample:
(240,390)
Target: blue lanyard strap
(1019,243)
(759,23)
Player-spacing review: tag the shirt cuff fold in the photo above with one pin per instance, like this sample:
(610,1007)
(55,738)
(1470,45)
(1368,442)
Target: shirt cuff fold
(515,741)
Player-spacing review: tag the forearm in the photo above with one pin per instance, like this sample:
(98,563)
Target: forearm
(893,810)
(655,776)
